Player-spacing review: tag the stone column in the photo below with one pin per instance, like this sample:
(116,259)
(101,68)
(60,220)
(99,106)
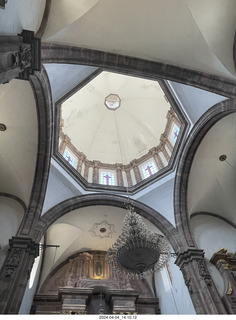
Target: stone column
(163,150)
(164,144)
(15,273)
(203,292)
(173,117)
(81,159)
(86,169)
(96,165)
(137,173)
(157,158)
(128,176)
(20,56)
(119,176)
(167,142)
(63,144)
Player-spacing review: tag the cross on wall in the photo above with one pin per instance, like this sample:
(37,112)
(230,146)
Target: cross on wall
(148,168)
(107,177)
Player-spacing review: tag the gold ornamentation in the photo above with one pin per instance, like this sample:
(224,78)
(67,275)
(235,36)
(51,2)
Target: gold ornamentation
(230,289)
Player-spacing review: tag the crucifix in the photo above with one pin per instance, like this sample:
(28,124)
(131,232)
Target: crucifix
(149,170)
(107,177)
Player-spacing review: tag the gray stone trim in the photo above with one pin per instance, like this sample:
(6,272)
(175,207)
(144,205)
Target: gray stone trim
(213,215)
(41,87)
(110,200)
(58,53)
(44,21)
(197,278)
(12,196)
(195,137)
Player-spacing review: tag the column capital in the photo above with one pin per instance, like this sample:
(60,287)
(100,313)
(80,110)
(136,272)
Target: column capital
(188,256)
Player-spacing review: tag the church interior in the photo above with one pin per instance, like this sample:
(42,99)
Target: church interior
(117,161)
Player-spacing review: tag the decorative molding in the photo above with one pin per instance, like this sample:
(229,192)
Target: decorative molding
(226,259)
(102,229)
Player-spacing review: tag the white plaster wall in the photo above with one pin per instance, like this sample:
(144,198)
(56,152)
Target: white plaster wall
(61,186)
(23,14)
(72,75)
(212,234)
(11,214)
(195,101)
(173,297)
(161,199)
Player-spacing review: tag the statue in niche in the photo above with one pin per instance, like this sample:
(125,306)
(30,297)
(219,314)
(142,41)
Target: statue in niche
(98,268)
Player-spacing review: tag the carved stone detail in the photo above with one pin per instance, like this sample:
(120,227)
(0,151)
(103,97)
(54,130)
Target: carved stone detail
(77,279)
(198,279)
(22,58)
(15,273)
(204,273)
(187,279)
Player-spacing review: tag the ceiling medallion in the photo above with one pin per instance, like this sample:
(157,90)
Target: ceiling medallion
(102,229)
(112,102)
(3,127)
(138,252)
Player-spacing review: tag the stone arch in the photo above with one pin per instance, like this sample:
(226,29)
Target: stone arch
(199,131)
(42,92)
(59,53)
(110,200)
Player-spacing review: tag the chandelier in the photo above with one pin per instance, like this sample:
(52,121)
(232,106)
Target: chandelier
(138,252)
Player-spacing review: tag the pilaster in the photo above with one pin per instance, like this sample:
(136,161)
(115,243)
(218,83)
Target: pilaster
(197,278)
(119,176)
(137,173)
(15,273)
